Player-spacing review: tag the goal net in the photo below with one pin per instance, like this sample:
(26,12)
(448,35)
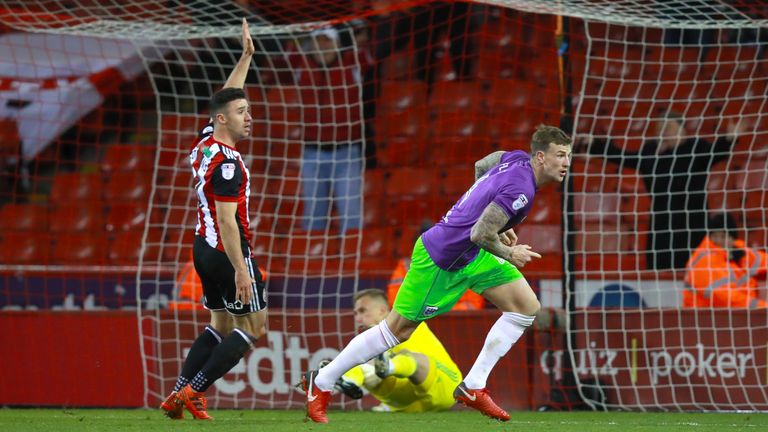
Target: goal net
(368,117)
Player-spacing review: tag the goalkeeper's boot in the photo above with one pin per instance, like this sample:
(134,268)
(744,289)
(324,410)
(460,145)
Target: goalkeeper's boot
(382,366)
(480,400)
(317,400)
(173,407)
(195,403)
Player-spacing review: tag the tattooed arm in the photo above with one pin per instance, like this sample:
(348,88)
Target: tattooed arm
(483,165)
(485,233)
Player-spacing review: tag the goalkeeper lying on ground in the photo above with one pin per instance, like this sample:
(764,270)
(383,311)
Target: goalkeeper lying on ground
(416,376)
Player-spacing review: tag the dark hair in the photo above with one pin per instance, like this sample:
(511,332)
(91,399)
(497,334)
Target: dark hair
(373,293)
(221,98)
(722,222)
(545,135)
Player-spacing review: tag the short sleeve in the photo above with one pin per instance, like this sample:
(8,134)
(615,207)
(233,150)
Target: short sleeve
(226,179)
(511,199)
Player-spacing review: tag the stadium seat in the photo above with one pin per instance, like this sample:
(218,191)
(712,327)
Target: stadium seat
(130,186)
(546,207)
(411,182)
(85,217)
(128,157)
(542,238)
(456,181)
(284,104)
(23,217)
(453,96)
(454,151)
(413,124)
(80,249)
(398,96)
(375,242)
(126,216)
(76,188)
(401,152)
(604,238)
(597,207)
(414,210)
(125,247)
(457,125)
(25,248)
(180,130)
(374,187)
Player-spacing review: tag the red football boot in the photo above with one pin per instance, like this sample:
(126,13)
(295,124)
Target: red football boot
(480,400)
(317,400)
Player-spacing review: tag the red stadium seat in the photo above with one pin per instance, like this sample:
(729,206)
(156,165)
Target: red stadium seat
(604,238)
(401,152)
(458,125)
(453,96)
(408,182)
(80,249)
(25,248)
(128,157)
(125,248)
(129,186)
(375,242)
(413,124)
(543,239)
(398,96)
(76,187)
(23,217)
(597,207)
(546,207)
(126,216)
(411,211)
(455,151)
(86,217)
(456,181)
(180,131)
(375,184)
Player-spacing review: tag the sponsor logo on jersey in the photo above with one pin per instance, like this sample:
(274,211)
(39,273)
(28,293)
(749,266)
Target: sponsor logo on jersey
(228,171)
(430,310)
(520,202)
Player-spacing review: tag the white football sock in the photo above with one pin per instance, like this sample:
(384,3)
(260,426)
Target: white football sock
(362,348)
(504,333)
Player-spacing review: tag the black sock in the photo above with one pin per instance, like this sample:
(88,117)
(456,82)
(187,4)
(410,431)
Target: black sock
(198,355)
(224,357)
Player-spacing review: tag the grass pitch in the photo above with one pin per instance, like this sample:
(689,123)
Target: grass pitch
(143,420)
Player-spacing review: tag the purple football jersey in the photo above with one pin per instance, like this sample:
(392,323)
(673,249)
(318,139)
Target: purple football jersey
(510,184)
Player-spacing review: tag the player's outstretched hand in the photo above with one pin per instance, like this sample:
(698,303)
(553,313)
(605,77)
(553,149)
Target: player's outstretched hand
(244,283)
(522,255)
(248,48)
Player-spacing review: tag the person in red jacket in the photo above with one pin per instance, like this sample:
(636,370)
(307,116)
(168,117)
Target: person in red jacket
(329,81)
(723,271)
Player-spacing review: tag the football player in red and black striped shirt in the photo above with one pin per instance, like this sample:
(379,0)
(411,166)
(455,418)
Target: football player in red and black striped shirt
(233,288)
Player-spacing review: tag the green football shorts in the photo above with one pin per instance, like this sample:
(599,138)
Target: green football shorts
(429,291)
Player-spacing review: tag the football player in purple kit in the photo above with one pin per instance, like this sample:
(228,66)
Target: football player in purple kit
(473,247)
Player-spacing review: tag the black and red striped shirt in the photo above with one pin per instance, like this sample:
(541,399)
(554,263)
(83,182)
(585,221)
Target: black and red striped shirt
(220,175)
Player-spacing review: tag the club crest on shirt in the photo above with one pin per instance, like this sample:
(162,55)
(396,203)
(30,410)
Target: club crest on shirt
(228,171)
(520,202)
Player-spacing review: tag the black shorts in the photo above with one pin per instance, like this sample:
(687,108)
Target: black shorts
(218,279)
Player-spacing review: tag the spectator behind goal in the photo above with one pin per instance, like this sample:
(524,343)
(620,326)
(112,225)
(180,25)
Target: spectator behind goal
(723,271)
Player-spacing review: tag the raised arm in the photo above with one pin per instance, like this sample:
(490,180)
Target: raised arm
(237,77)
(483,165)
(485,233)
